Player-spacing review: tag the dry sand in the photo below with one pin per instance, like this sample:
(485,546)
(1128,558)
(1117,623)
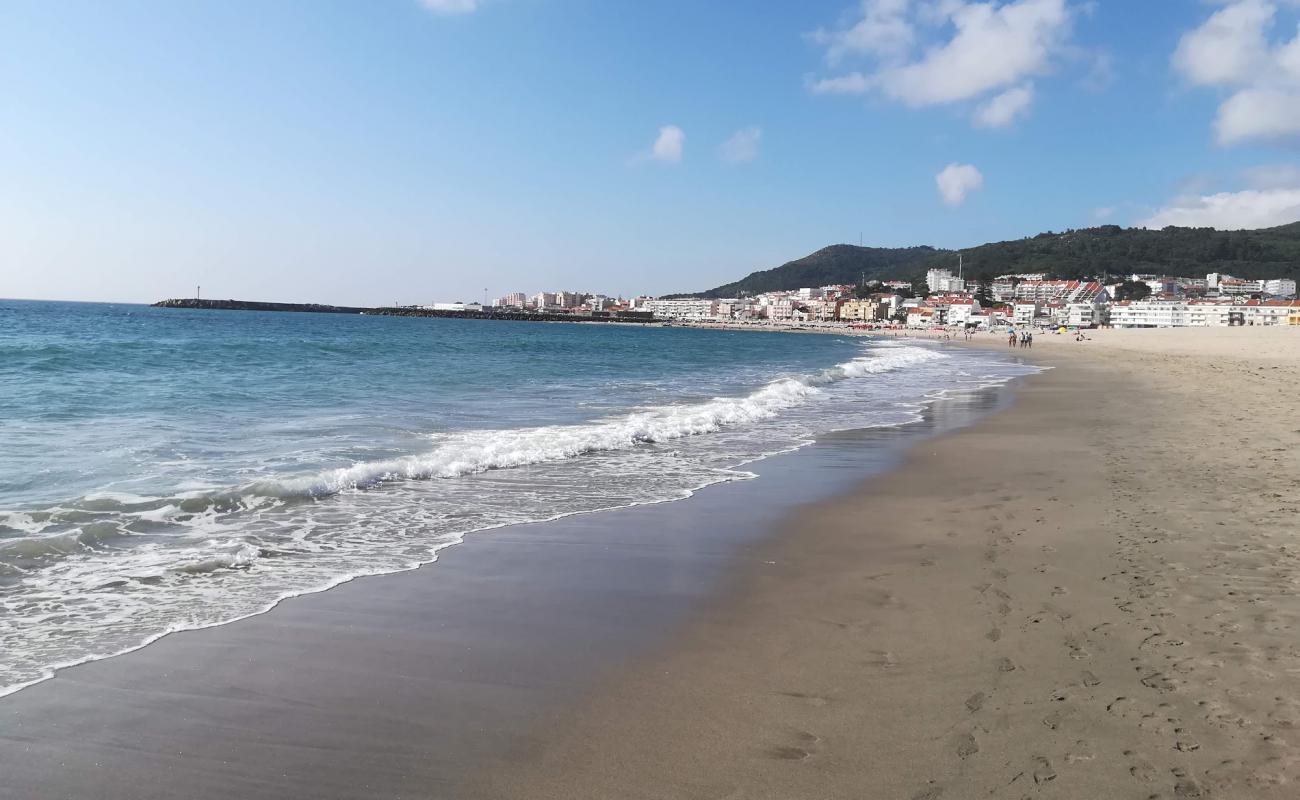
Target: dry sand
(1089,595)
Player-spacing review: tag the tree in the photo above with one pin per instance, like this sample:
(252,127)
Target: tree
(1133,290)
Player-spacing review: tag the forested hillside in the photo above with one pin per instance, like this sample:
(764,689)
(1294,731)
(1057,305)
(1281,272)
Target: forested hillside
(1107,250)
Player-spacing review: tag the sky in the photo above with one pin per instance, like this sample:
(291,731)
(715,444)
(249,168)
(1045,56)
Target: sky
(418,151)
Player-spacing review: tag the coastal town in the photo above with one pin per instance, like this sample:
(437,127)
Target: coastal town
(946,299)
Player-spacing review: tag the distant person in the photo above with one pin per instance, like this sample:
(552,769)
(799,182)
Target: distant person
(1029,340)
(1011,339)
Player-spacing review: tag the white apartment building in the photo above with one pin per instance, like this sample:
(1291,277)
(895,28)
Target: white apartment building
(545,300)
(1085,315)
(960,312)
(1025,313)
(1149,314)
(942,280)
(681,309)
(1200,313)
(1280,287)
(512,300)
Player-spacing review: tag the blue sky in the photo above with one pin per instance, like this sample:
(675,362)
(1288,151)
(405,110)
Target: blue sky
(375,151)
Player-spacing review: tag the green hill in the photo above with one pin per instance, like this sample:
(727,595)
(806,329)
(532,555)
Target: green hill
(1089,252)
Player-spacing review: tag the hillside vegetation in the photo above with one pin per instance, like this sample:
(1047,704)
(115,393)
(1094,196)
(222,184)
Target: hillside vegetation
(1107,250)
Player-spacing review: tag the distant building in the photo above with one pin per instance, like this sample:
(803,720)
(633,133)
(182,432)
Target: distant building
(1280,287)
(1201,313)
(942,280)
(681,309)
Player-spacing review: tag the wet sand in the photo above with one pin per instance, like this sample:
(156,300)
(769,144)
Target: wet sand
(1091,594)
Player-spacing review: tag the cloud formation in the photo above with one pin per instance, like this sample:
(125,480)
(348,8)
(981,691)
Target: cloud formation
(949,51)
(1005,108)
(1250,208)
(957,181)
(667,147)
(1233,50)
(742,146)
(450,6)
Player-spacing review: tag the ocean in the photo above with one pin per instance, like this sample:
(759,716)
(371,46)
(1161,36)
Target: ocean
(166,469)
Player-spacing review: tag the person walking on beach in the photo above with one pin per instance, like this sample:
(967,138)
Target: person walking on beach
(1011,338)
(1029,340)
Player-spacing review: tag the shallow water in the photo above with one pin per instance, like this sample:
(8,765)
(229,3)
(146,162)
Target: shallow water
(165,469)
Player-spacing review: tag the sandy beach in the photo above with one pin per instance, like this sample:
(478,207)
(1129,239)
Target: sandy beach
(1090,594)
(1087,593)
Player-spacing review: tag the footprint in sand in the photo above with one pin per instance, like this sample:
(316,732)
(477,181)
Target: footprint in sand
(1140,768)
(967,746)
(994,634)
(1080,752)
(814,700)
(975,702)
(1005,664)
(882,659)
(795,752)
(1043,771)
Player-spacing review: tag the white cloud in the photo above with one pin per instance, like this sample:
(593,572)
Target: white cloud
(667,147)
(883,29)
(1250,208)
(1258,114)
(742,146)
(950,51)
(1005,108)
(957,181)
(450,6)
(1232,49)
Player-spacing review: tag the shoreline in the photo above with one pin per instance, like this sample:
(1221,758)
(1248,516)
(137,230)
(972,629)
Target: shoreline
(1030,605)
(86,715)
(739,471)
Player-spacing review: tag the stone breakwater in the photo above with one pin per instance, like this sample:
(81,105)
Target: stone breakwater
(525,316)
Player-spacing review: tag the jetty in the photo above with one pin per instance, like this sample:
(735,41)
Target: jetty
(641,317)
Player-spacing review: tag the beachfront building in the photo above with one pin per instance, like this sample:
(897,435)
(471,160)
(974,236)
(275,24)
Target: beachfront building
(1025,313)
(737,308)
(1149,314)
(921,317)
(825,309)
(954,310)
(867,309)
(1268,312)
(1086,315)
(689,308)
(1201,313)
(779,309)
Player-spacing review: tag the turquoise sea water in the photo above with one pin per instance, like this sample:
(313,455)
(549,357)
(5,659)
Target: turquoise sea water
(167,469)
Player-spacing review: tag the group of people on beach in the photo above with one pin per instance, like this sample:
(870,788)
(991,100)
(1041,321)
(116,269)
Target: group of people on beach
(1023,339)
